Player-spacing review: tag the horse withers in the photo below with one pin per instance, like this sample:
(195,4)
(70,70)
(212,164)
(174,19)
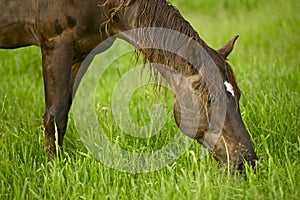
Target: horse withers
(67,32)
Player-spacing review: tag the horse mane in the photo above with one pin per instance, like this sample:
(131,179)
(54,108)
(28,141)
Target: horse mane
(161,9)
(160,13)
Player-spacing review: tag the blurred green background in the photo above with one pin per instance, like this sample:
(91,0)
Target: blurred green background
(266,62)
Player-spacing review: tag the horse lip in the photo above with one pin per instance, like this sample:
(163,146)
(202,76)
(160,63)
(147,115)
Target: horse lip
(241,164)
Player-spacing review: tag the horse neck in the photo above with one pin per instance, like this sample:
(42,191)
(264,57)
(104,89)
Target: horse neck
(168,30)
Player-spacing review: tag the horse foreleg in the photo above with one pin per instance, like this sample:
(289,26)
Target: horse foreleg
(57,61)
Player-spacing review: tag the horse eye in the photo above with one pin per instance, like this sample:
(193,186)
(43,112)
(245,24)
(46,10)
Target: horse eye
(209,101)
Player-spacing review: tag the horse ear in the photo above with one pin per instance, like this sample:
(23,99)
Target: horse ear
(227,48)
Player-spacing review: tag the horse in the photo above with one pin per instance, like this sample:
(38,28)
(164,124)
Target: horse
(67,31)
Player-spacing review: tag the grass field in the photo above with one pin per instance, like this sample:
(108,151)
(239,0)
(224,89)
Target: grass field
(266,62)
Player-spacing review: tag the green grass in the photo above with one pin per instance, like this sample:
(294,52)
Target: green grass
(266,61)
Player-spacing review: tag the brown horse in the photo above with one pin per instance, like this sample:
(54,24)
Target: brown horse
(68,30)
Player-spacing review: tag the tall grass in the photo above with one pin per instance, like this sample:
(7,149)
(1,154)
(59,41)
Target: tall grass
(266,61)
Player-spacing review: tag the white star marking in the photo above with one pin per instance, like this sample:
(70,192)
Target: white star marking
(229,88)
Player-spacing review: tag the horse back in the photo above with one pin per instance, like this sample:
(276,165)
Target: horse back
(17,22)
(30,22)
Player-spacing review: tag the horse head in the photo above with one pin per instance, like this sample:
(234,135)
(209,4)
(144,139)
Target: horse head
(207,109)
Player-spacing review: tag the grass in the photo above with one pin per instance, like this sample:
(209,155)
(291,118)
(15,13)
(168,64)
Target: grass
(266,61)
